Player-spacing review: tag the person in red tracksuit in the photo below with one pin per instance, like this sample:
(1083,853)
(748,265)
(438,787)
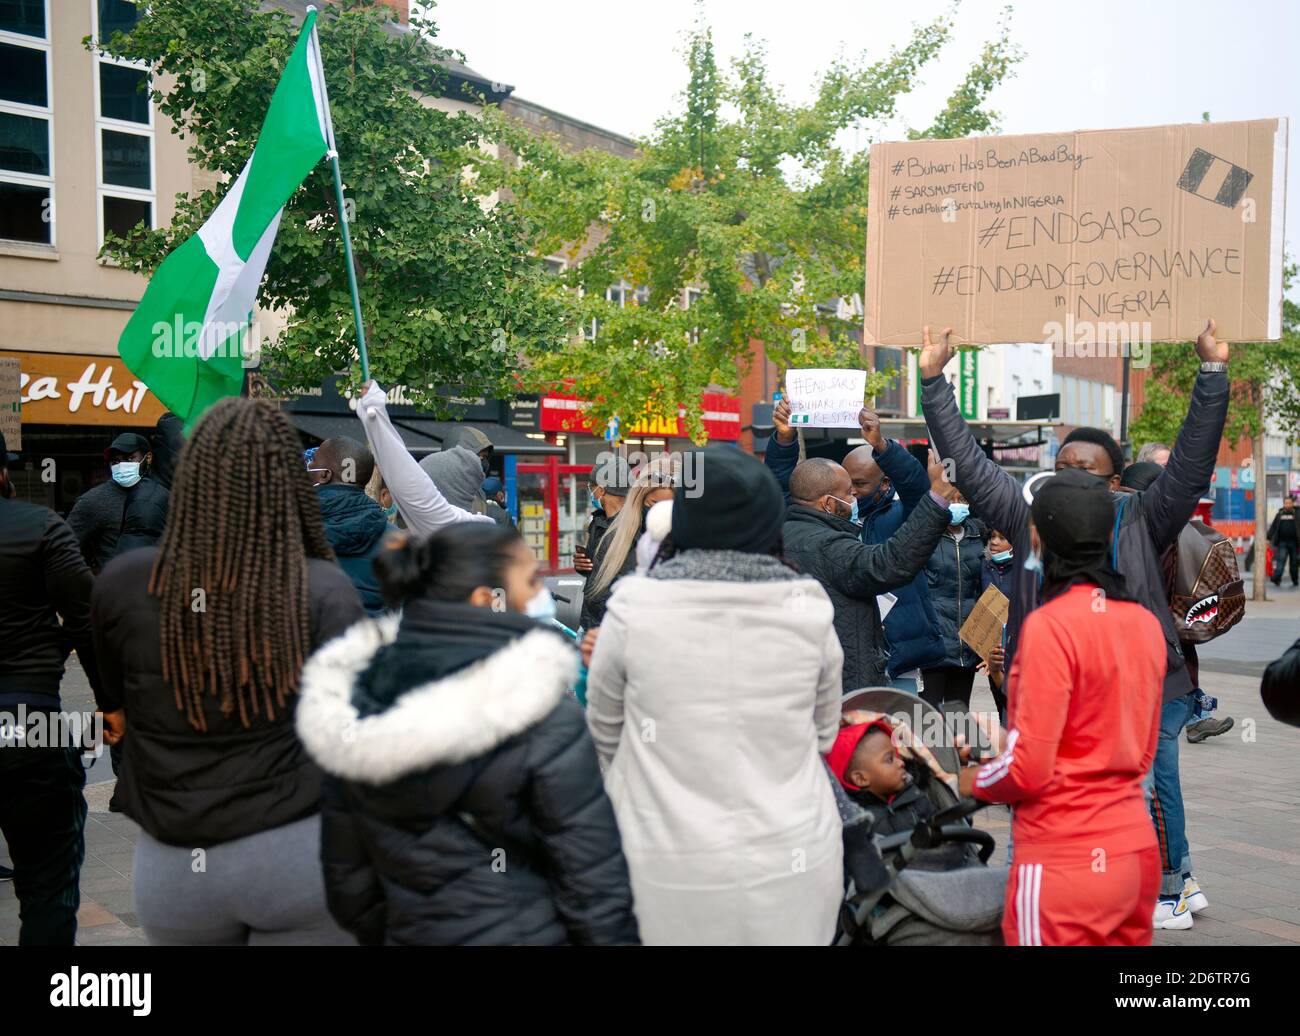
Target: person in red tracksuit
(1085,692)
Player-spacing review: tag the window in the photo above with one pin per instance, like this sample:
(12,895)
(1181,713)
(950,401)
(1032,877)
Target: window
(26,118)
(124,129)
(554,267)
(890,398)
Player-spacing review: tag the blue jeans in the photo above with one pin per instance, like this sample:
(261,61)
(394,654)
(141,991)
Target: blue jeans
(904,683)
(1165,796)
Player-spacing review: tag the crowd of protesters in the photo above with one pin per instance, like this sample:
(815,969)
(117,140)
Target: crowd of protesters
(345,712)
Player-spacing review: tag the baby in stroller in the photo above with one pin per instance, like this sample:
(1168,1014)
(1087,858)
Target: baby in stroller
(872,770)
(915,871)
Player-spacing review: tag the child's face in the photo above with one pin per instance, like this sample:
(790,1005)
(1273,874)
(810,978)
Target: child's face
(998,543)
(877,767)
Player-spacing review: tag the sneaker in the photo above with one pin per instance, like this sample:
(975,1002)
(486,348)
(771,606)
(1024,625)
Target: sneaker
(1208,727)
(6,873)
(1172,912)
(1192,894)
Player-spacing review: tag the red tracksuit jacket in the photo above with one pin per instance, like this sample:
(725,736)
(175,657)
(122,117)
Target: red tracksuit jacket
(1084,703)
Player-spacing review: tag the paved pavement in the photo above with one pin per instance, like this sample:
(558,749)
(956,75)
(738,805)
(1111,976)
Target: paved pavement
(1240,791)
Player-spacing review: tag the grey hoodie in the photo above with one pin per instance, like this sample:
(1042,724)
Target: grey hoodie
(458,474)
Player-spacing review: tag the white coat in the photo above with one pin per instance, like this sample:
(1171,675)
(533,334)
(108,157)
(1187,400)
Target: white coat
(710,703)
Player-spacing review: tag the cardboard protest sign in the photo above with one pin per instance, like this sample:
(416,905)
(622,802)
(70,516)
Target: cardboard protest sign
(825,398)
(1079,237)
(983,629)
(10,403)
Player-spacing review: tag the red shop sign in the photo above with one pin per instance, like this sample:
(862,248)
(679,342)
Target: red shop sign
(565,413)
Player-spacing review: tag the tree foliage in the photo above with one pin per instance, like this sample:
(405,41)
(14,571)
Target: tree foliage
(754,199)
(1265,384)
(450,291)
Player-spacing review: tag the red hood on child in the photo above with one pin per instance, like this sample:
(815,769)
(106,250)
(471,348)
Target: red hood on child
(846,741)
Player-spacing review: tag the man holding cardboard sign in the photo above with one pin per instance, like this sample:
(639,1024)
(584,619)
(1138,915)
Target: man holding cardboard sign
(1146,524)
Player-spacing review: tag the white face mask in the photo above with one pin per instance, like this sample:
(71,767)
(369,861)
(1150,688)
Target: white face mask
(126,473)
(541,606)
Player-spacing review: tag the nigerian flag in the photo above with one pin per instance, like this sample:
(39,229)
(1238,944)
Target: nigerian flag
(186,337)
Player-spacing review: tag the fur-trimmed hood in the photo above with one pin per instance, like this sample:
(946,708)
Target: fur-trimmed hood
(443,722)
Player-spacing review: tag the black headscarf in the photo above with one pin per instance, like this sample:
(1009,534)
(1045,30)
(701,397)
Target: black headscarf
(1075,518)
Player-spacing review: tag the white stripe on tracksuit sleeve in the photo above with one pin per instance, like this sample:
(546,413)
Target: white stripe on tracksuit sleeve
(424,509)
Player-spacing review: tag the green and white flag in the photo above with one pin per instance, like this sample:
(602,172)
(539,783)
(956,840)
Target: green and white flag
(186,338)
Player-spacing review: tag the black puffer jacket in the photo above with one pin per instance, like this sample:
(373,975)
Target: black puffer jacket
(43,578)
(952,578)
(853,573)
(193,788)
(109,520)
(463,802)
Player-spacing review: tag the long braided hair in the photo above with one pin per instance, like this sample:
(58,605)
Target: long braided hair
(231,573)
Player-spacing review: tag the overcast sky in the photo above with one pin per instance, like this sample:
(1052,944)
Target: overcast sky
(1094,65)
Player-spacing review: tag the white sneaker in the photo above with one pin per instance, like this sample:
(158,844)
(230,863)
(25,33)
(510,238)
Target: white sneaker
(1196,901)
(1172,912)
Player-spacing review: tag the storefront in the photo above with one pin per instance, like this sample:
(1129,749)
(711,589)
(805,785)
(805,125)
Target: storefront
(73,406)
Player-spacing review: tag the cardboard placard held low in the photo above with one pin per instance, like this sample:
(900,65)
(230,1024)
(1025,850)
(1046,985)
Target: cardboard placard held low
(982,631)
(1075,238)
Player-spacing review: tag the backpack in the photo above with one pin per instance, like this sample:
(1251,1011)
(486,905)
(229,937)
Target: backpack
(1208,596)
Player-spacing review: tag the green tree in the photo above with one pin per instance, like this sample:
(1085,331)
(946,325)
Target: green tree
(449,290)
(756,200)
(1265,391)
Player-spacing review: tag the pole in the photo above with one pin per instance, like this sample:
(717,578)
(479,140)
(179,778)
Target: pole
(1123,406)
(333,155)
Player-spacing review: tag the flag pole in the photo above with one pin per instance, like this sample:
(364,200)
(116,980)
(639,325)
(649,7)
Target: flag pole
(333,155)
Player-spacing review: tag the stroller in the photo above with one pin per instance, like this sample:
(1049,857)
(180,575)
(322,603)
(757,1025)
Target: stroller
(930,886)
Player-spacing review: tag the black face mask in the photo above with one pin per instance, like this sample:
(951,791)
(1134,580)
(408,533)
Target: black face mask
(487,467)
(876,498)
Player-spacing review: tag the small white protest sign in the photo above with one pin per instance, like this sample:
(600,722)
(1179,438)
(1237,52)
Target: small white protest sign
(825,398)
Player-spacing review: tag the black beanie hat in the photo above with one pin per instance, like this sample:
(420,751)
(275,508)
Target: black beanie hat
(734,503)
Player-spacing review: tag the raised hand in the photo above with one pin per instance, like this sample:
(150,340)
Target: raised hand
(869,422)
(1209,348)
(781,419)
(933,357)
(939,481)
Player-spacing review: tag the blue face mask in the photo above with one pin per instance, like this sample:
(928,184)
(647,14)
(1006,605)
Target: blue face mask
(1034,564)
(595,504)
(126,473)
(541,606)
(959,512)
(1001,556)
(390,510)
(853,515)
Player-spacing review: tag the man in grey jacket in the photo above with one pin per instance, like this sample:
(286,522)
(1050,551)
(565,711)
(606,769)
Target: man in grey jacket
(1146,524)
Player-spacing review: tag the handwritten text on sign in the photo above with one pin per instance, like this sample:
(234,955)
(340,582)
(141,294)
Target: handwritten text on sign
(824,398)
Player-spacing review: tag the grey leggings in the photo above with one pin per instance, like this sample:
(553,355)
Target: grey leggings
(262,890)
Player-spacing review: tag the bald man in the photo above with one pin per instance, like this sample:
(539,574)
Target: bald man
(887,483)
(822,541)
